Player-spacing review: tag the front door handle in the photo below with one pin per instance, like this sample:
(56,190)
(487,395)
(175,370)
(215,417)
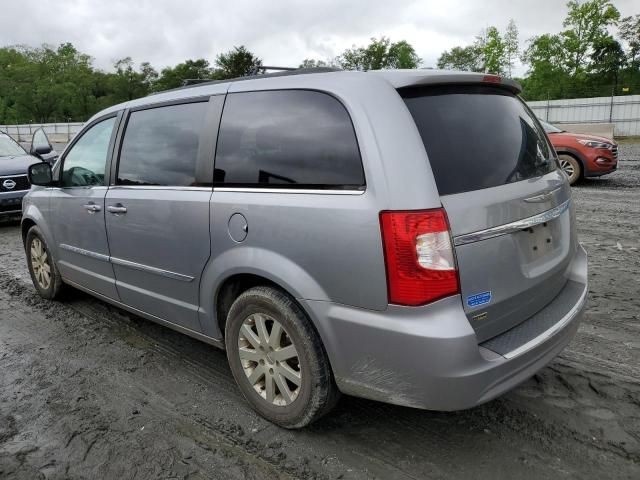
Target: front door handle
(117,209)
(92,207)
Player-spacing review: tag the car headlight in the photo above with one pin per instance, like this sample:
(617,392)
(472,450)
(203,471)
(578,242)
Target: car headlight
(595,144)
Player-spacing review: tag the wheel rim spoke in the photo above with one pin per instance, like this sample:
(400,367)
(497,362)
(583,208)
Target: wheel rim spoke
(270,391)
(250,336)
(257,373)
(290,374)
(261,327)
(283,388)
(285,353)
(250,355)
(275,336)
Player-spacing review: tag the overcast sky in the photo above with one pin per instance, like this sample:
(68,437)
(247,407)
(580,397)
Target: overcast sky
(281,32)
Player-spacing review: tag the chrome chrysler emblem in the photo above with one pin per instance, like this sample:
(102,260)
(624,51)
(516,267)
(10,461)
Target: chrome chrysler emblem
(9,184)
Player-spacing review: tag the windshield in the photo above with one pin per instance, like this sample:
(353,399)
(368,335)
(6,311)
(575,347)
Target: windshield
(9,148)
(550,128)
(478,137)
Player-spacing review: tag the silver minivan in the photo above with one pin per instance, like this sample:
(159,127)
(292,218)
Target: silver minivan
(403,236)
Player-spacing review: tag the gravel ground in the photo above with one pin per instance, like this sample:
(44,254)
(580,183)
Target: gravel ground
(89,391)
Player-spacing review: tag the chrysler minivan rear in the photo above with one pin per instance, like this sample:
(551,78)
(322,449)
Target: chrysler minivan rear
(484,290)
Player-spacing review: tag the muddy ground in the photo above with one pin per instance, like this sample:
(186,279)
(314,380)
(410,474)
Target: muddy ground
(89,391)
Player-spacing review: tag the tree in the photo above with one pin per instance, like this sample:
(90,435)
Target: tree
(173,77)
(511,45)
(630,33)
(237,62)
(608,59)
(311,63)
(494,51)
(467,58)
(380,53)
(491,52)
(127,83)
(548,75)
(587,24)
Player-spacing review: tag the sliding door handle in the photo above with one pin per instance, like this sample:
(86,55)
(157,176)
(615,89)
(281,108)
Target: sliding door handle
(117,209)
(92,207)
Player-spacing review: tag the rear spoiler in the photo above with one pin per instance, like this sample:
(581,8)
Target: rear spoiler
(414,78)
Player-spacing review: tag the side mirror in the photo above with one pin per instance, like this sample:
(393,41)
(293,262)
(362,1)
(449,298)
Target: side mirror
(42,150)
(40,144)
(40,174)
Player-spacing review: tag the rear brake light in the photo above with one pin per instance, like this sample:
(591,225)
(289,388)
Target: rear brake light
(492,79)
(418,256)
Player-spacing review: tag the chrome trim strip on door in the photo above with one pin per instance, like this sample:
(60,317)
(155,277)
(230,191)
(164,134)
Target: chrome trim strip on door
(288,190)
(86,253)
(127,263)
(159,187)
(513,226)
(147,268)
(551,331)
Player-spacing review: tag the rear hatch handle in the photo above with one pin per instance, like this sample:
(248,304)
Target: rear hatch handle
(512,227)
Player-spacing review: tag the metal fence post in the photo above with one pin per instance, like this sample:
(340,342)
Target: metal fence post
(613,91)
(548,106)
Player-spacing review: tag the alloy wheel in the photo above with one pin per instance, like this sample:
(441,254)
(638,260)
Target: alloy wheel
(40,264)
(269,359)
(567,167)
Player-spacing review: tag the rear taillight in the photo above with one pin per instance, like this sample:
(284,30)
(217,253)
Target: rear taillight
(418,256)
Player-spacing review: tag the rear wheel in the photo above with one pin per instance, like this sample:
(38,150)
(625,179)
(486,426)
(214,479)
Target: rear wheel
(277,359)
(571,167)
(42,268)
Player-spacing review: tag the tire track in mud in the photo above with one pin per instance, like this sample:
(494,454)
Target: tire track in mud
(223,437)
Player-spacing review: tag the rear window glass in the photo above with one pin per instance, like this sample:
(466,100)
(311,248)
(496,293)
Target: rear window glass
(478,137)
(287,139)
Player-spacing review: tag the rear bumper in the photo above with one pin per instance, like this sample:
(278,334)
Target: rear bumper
(11,202)
(429,357)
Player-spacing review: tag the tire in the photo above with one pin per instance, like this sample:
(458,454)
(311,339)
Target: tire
(571,167)
(253,323)
(44,273)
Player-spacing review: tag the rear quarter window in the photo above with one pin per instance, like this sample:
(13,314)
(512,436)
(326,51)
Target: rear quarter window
(478,137)
(287,139)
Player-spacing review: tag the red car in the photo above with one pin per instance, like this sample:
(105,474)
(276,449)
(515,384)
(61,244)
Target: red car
(582,155)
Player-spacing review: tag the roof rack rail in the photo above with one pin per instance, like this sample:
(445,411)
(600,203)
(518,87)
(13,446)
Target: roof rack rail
(262,69)
(194,82)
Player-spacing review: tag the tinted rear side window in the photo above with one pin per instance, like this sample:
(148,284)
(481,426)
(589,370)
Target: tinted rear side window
(160,146)
(478,137)
(287,139)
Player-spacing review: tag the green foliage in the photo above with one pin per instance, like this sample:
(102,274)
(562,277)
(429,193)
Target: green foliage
(492,52)
(380,53)
(588,23)
(467,58)
(174,77)
(236,63)
(311,63)
(630,34)
(49,84)
(511,45)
